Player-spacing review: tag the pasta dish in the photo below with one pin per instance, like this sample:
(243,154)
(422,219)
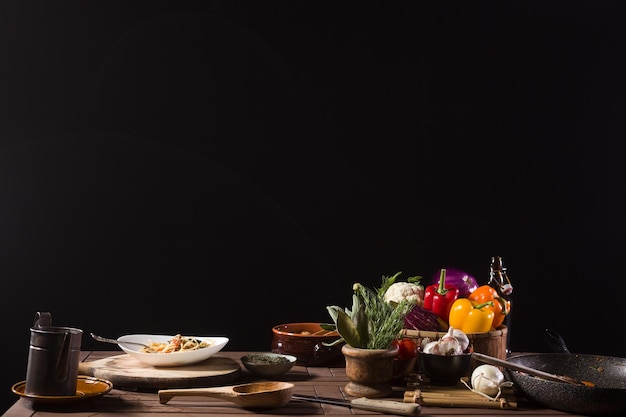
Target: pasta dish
(177,344)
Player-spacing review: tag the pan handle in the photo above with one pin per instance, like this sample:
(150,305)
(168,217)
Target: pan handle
(556,342)
(522,368)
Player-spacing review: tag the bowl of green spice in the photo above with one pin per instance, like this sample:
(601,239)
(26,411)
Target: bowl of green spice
(268,365)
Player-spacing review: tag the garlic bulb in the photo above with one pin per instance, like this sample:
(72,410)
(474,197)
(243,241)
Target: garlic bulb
(452,343)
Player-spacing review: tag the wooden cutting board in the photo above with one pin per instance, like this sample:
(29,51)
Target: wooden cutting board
(126,372)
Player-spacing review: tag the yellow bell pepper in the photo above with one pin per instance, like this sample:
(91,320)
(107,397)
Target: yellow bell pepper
(470,316)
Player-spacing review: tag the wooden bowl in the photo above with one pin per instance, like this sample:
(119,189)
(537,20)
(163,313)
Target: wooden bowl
(306,341)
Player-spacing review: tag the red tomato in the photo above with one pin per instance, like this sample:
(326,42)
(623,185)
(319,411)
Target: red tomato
(407,348)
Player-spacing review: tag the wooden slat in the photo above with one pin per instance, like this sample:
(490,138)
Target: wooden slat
(457,395)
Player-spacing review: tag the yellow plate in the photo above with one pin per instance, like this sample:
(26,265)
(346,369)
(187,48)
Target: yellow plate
(86,387)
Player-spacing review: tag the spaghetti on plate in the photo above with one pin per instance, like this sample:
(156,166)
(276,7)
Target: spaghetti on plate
(178,343)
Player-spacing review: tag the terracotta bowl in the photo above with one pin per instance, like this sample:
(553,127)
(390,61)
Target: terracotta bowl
(306,341)
(444,370)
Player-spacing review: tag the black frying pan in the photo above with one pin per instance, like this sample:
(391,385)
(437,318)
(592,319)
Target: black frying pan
(607,396)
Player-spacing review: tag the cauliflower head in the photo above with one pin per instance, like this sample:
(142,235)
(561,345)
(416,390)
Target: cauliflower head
(405,291)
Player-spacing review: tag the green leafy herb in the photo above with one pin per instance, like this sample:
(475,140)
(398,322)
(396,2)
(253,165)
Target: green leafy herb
(371,323)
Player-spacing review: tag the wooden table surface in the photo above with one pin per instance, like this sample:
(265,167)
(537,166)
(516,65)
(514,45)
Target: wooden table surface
(315,381)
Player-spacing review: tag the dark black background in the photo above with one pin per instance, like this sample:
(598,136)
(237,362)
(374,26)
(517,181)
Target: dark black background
(221,167)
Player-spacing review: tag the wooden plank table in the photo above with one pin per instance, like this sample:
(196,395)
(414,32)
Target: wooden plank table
(312,381)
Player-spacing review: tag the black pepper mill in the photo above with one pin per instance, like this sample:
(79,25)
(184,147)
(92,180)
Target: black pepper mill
(499,280)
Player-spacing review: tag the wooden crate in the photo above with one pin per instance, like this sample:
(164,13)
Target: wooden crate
(492,343)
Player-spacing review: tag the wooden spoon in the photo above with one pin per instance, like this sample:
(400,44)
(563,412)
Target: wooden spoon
(266,394)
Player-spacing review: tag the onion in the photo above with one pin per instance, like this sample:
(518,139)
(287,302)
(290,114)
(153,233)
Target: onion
(487,379)
(459,278)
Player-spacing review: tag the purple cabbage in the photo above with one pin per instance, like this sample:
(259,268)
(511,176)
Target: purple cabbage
(421,319)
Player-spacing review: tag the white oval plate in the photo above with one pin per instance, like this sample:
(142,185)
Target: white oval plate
(187,357)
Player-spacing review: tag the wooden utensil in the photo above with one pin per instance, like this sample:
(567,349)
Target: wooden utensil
(381,406)
(531,371)
(266,394)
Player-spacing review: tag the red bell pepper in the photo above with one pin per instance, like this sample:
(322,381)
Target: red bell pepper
(438,298)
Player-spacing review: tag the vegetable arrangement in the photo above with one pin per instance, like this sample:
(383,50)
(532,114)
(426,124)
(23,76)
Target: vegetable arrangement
(453,299)
(452,302)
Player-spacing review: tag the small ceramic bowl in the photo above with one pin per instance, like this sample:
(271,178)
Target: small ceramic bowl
(306,341)
(442,369)
(268,365)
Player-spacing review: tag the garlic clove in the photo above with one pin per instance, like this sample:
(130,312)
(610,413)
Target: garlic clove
(430,348)
(462,338)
